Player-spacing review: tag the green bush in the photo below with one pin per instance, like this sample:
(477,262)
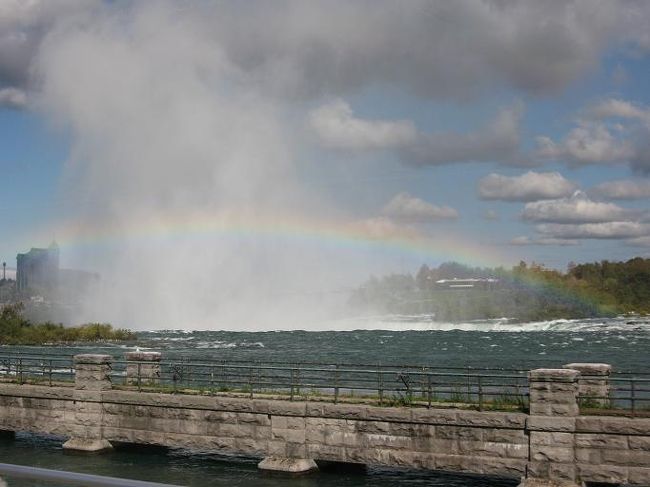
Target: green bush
(16,330)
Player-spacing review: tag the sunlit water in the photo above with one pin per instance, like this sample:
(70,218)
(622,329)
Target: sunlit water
(622,342)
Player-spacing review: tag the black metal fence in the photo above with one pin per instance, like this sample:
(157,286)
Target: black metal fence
(35,368)
(396,385)
(624,391)
(384,385)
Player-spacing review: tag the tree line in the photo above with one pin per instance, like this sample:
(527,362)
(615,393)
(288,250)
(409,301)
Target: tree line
(525,292)
(15,329)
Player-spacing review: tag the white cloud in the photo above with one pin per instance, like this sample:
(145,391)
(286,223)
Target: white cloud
(612,131)
(530,186)
(578,208)
(336,126)
(411,209)
(605,230)
(13,98)
(614,107)
(524,240)
(623,189)
(589,143)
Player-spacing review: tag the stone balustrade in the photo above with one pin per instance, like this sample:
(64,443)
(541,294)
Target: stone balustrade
(551,446)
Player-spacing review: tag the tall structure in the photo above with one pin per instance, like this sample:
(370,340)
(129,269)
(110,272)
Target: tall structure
(38,269)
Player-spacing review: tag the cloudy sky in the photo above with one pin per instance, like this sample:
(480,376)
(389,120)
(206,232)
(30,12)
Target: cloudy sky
(519,129)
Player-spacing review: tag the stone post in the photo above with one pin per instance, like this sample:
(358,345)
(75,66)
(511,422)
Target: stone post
(593,383)
(551,427)
(92,376)
(145,365)
(92,372)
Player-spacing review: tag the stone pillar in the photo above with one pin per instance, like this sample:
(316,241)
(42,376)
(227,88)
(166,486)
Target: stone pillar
(593,381)
(92,376)
(146,365)
(551,427)
(92,372)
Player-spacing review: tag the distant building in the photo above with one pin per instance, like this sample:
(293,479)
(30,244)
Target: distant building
(38,277)
(470,283)
(38,270)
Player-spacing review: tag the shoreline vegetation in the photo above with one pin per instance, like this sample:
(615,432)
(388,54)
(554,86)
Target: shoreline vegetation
(17,330)
(526,292)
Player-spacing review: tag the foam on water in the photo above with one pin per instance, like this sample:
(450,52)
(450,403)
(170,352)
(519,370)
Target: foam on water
(426,323)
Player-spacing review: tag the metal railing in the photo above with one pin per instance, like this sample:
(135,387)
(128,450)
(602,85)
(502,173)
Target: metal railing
(53,369)
(383,385)
(481,388)
(70,478)
(627,392)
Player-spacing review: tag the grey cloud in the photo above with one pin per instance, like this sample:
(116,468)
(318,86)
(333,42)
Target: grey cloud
(439,49)
(530,186)
(497,141)
(336,126)
(525,240)
(576,209)
(23,24)
(604,230)
(408,208)
(588,143)
(434,49)
(623,189)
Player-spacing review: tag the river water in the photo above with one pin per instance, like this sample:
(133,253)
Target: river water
(622,342)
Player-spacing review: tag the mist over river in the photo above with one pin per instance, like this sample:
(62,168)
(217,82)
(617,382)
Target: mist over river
(623,342)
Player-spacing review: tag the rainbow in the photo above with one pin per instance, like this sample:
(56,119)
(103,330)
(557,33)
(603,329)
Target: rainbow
(359,235)
(378,233)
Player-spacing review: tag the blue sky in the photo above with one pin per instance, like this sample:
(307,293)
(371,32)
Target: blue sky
(381,115)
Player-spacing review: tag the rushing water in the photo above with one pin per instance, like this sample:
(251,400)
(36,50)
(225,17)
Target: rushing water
(622,342)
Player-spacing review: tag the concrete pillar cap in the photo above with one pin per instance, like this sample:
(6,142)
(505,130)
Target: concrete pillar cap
(589,369)
(143,356)
(92,358)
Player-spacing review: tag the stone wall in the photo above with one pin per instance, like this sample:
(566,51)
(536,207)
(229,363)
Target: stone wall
(553,445)
(442,439)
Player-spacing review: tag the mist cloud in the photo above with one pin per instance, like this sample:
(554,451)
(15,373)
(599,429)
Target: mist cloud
(181,120)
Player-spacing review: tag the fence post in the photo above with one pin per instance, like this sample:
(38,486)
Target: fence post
(336,384)
(593,383)
(551,428)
